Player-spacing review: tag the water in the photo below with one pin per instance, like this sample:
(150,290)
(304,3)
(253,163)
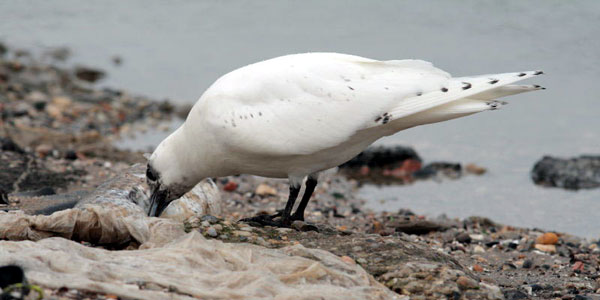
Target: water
(176,49)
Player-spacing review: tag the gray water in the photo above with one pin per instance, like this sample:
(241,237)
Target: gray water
(176,49)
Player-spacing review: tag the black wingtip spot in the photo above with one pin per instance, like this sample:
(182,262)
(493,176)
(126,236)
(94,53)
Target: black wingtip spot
(351,88)
(466,86)
(538,73)
(493,81)
(521,74)
(444,89)
(419,94)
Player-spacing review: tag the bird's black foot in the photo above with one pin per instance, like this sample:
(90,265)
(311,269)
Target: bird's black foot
(274,220)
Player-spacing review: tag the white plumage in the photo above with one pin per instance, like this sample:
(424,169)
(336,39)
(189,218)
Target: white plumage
(297,115)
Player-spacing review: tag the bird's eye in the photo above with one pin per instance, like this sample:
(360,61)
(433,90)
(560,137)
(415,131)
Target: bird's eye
(150,174)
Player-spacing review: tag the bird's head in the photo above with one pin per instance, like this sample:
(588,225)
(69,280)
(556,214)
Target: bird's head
(169,175)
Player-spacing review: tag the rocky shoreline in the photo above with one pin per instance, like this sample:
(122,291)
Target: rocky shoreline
(56,137)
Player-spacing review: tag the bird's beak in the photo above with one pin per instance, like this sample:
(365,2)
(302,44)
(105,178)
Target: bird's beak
(158,202)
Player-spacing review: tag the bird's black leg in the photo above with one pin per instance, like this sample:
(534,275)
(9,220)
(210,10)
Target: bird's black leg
(311,183)
(285,216)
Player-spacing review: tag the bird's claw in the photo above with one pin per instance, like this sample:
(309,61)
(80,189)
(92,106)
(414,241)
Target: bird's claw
(274,220)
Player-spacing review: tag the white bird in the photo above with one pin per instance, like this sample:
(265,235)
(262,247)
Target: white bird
(296,115)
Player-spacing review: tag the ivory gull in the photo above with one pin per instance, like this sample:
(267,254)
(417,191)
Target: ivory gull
(296,115)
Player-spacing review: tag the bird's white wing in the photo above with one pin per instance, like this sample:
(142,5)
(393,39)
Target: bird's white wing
(302,104)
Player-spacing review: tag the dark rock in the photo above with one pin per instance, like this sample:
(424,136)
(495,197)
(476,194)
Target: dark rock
(527,264)
(210,219)
(7,144)
(382,157)
(45,191)
(434,169)
(463,237)
(89,74)
(3,197)
(513,294)
(576,173)
(536,287)
(583,297)
(415,226)
(3,49)
(10,275)
(70,155)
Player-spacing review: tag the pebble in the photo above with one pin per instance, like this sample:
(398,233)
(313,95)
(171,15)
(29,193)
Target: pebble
(348,260)
(211,231)
(478,249)
(43,150)
(242,233)
(210,219)
(463,237)
(465,283)
(477,268)
(548,238)
(284,230)
(527,264)
(475,169)
(230,186)
(546,248)
(265,190)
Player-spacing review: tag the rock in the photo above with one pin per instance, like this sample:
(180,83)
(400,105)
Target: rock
(475,169)
(465,283)
(477,268)
(10,275)
(62,102)
(348,260)
(527,264)
(478,249)
(415,226)
(70,155)
(265,190)
(230,186)
(89,74)
(513,294)
(463,237)
(302,226)
(242,233)
(7,144)
(43,150)
(210,219)
(211,231)
(548,238)
(382,157)
(546,248)
(576,173)
(434,169)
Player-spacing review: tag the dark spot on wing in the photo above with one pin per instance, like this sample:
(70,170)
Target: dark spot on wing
(444,89)
(538,72)
(251,116)
(378,119)
(466,86)
(493,81)
(386,119)
(351,88)
(260,113)
(419,93)
(386,88)
(521,74)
